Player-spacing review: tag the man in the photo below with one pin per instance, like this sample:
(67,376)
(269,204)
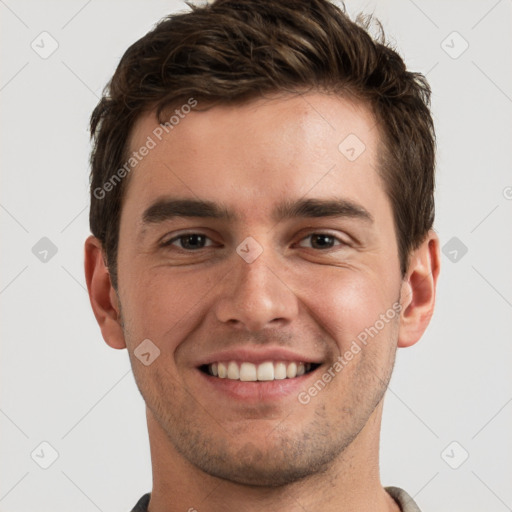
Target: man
(261,209)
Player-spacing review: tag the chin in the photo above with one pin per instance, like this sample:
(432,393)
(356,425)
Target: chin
(257,468)
(278,458)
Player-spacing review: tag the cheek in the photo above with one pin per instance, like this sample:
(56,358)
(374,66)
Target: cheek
(349,303)
(162,303)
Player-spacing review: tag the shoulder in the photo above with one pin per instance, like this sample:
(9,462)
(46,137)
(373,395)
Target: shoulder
(405,502)
(142,504)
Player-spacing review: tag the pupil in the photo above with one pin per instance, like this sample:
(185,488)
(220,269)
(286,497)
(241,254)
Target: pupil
(192,241)
(322,241)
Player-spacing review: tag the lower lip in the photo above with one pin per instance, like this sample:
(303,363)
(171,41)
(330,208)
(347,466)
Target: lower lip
(260,390)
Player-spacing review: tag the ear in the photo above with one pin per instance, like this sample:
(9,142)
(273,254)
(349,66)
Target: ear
(419,291)
(102,294)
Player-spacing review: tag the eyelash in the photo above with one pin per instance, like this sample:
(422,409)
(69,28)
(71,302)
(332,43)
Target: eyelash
(168,243)
(337,241)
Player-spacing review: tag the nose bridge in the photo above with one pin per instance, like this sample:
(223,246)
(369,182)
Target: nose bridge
(256,280)
(254,296)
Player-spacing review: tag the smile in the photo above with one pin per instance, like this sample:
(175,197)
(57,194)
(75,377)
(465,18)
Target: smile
(250,372)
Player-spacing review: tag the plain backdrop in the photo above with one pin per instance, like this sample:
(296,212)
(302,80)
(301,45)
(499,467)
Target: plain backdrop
(448,412)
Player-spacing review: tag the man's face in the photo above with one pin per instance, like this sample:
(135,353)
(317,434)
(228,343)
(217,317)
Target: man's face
(321,266)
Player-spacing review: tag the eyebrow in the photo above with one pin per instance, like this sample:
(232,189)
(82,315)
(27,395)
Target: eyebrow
(169,208)
(164,209)
(312,208)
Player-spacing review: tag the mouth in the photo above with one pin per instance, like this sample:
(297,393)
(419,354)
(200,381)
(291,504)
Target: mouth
(249,376)
(245,371)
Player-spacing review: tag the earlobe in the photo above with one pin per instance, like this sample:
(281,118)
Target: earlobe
(102,295)
(419,291)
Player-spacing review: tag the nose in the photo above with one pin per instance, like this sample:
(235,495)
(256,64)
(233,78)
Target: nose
(256,296)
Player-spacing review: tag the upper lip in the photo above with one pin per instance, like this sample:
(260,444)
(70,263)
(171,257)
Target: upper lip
(257,356)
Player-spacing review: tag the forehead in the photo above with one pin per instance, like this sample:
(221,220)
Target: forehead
(253,153)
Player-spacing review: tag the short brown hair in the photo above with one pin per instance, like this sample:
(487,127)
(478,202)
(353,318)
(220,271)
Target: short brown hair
(236,50)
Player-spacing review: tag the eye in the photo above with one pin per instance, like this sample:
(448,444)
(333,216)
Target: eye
(189,241)
(320,241)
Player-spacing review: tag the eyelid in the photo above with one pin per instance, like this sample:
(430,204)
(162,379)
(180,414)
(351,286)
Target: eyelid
(325,232)
(166,241)
(338,241)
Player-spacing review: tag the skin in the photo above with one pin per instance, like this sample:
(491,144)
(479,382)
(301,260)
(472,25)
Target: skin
(213,453)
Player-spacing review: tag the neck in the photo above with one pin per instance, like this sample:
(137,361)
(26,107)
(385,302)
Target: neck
(352,482)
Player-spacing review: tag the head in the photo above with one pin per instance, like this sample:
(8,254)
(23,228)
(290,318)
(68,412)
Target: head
(282,206)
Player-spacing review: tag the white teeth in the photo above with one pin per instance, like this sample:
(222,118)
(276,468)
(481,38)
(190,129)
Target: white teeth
(233,372)
(267,371)
(248,372)
(223,371)
(291,371)
(279,371)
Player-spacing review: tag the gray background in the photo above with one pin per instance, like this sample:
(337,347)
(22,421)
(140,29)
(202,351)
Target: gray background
(61,384)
